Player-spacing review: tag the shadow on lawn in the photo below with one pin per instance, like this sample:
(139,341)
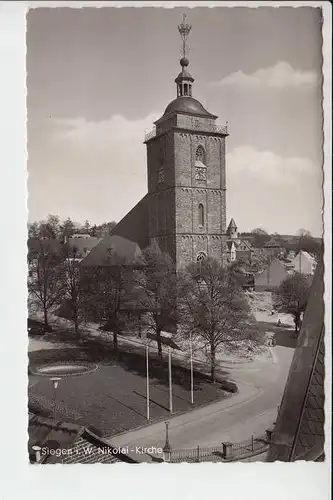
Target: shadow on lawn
(132,360)
(284,336)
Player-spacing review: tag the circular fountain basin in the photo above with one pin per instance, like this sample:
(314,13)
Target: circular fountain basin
(63,369)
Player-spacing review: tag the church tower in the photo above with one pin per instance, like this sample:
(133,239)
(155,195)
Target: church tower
(186,175)
(232,232)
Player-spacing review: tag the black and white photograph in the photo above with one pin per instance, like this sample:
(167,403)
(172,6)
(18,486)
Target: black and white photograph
(175,235)
(175,262)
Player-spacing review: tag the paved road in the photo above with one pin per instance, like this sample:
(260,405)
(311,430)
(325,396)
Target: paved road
(251,411)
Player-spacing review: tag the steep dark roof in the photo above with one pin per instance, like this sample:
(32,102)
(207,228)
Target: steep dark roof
(247,243)
(83,244)
(299,430)
(53,245)
(134,226)
(272,244)
(113,249)
(188,106)
(232,224)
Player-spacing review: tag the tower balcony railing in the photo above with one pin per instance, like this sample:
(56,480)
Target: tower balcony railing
(220,129)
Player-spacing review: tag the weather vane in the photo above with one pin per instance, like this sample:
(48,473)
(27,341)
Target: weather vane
(184,30)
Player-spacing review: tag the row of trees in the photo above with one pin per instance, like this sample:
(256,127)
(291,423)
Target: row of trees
(204,300)
(53,227)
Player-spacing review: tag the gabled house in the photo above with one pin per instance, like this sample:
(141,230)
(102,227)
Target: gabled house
(271,277)
(304,263)
(244,250)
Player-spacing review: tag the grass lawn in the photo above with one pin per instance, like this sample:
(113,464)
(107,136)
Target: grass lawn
(112,399)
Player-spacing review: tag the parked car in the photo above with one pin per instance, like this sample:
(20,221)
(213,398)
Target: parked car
(37,327)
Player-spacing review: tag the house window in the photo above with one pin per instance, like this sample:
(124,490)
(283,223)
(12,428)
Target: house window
(201,215)
(200,154)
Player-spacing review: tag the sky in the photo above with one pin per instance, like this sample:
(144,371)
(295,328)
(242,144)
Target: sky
(97,78)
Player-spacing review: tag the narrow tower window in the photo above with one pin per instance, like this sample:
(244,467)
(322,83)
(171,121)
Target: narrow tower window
(201,215)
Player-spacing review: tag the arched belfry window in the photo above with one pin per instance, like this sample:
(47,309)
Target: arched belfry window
(200,154)
(201,256)
(201,215)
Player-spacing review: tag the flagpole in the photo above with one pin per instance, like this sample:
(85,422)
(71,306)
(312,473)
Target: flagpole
(170,381)
(191,361)
(147,379)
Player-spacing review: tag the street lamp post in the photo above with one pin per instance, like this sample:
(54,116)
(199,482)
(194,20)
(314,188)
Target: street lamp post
(167,448)
(191,369)
(147,379)
(55,382)
(170,381)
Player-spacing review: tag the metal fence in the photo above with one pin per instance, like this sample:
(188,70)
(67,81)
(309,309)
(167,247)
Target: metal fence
(226,452)
(221,129)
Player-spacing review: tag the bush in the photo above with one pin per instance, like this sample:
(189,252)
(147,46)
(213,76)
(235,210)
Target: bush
(228,386)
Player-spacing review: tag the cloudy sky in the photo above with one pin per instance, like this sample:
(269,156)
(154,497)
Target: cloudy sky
(98,78)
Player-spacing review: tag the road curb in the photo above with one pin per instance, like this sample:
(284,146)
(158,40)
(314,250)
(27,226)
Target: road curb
(190,414)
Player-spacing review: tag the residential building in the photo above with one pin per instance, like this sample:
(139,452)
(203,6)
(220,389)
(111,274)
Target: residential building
(271,277)
(304,263)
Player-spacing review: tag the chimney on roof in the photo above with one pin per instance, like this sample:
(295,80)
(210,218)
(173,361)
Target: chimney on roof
(37,450)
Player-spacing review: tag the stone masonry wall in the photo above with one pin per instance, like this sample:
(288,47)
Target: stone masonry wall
(175,196)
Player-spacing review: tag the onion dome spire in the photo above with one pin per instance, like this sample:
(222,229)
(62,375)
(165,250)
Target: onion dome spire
(184,80)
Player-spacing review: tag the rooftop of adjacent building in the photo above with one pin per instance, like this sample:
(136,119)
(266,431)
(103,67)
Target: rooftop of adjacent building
(299,429)
(63,442)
